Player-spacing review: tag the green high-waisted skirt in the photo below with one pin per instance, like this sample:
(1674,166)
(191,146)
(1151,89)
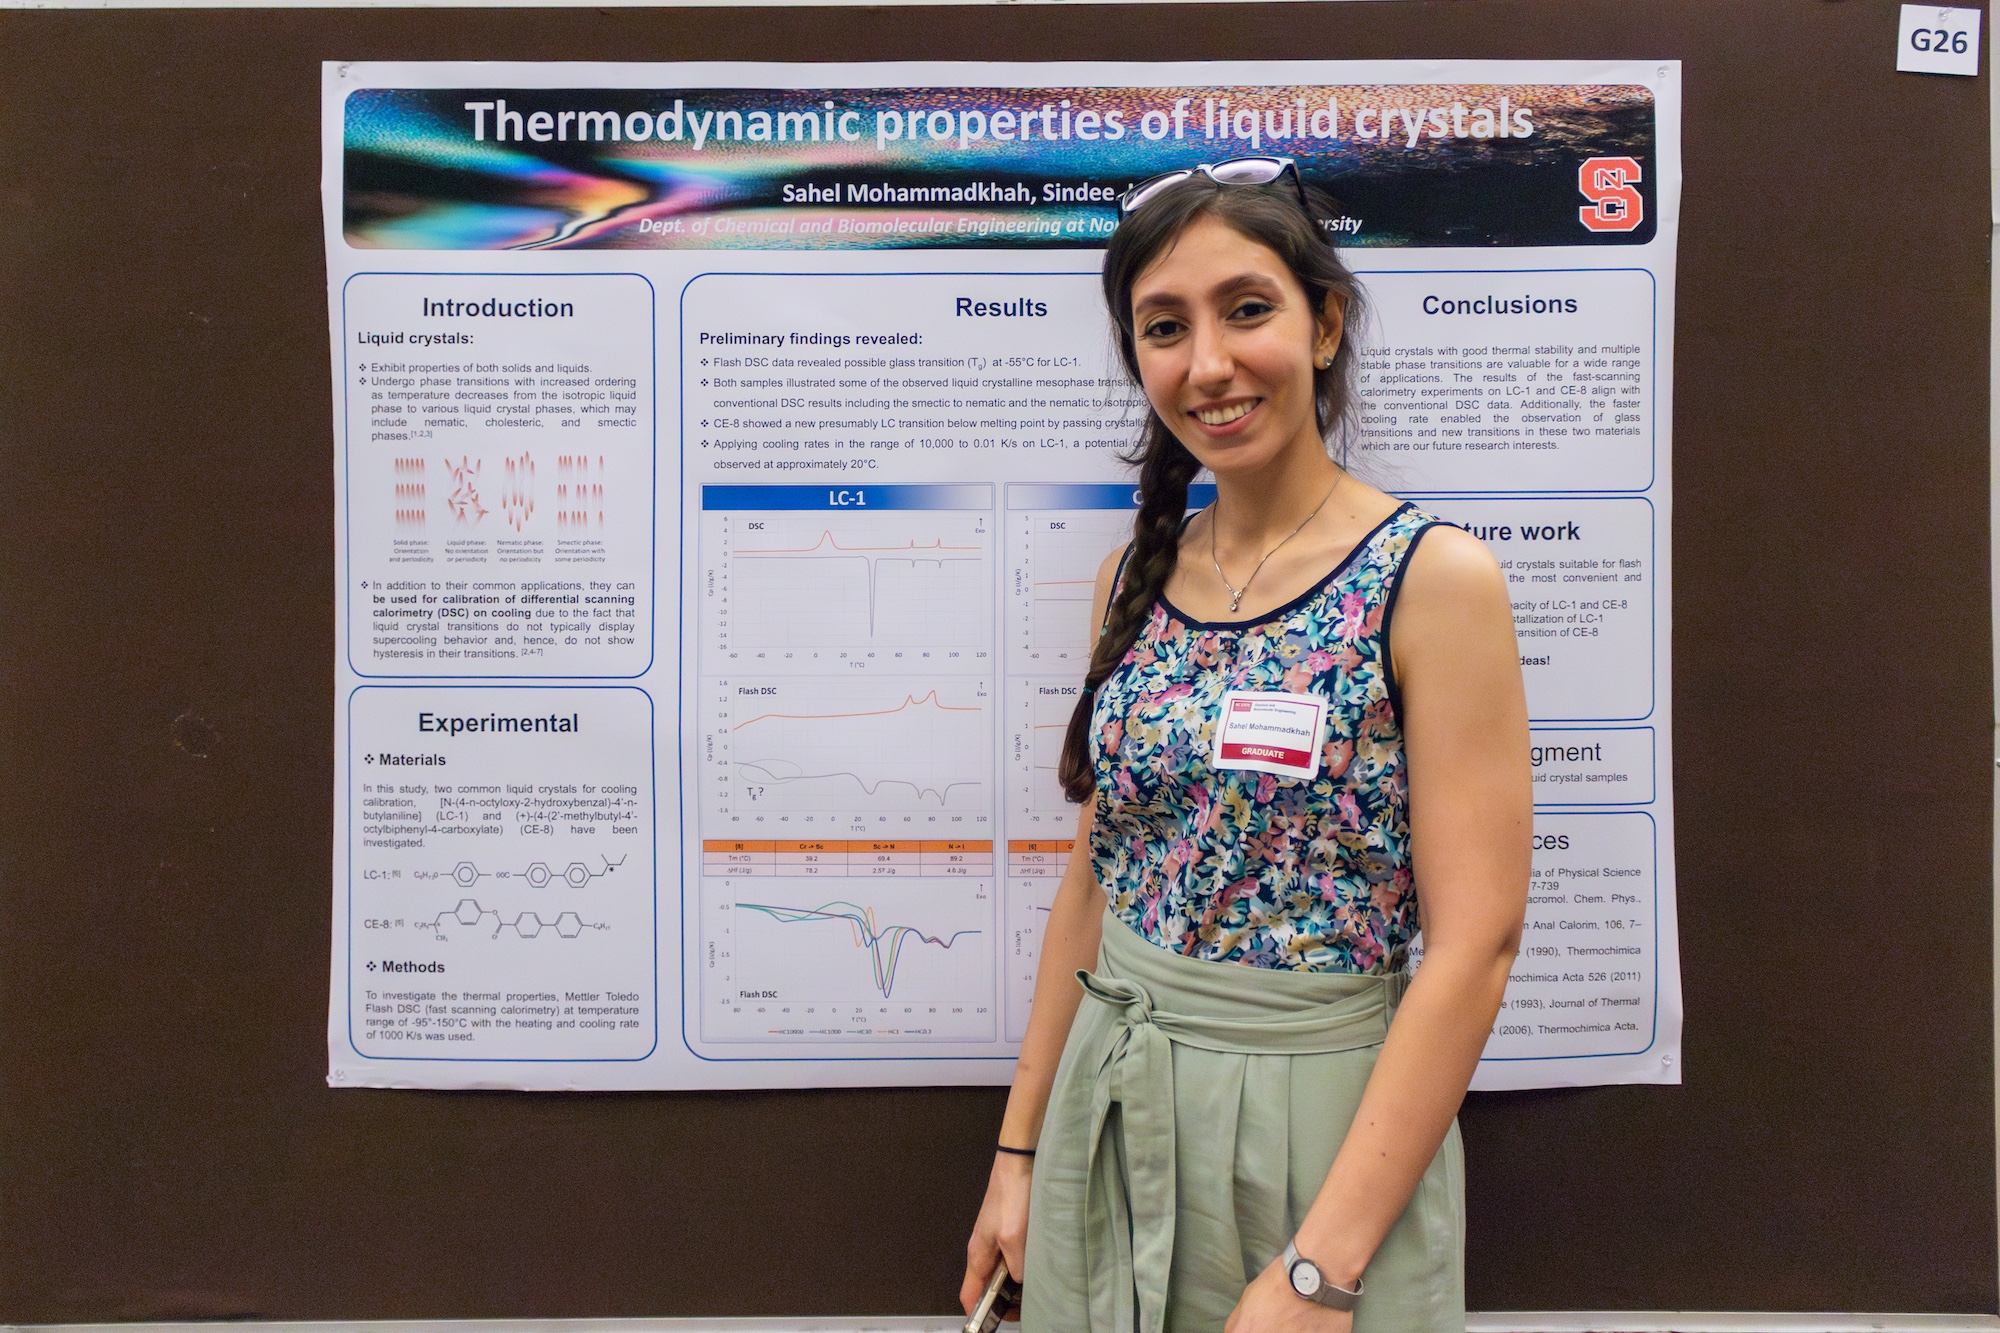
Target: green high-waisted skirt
(1195,1115)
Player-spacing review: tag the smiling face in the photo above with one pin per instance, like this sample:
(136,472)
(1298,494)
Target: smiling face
(1227,341)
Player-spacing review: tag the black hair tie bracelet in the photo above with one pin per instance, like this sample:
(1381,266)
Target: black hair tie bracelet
(1018,1152)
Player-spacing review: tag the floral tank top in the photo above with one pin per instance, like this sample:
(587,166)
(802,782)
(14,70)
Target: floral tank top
(1248,867)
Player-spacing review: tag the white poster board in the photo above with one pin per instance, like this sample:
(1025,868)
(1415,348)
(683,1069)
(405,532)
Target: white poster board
(724,453)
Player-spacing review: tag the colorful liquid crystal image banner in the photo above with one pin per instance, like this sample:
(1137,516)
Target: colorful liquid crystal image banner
(646,169)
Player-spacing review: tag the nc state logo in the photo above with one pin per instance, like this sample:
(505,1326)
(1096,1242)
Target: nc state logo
(1615,205)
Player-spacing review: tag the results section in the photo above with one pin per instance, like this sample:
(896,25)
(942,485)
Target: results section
(901,377)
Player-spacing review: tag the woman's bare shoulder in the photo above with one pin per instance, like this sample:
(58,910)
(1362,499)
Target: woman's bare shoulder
(1451,560)
(1453,591)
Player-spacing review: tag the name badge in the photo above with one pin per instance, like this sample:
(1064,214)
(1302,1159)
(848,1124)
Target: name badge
(1266,731)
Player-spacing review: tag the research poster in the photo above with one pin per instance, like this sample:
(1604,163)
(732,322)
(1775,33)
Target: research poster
(723,456)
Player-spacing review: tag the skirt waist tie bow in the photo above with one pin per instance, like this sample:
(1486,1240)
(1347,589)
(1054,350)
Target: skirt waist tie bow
(1130,1189)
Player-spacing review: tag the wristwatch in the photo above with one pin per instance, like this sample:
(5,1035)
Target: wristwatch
(1309,1282)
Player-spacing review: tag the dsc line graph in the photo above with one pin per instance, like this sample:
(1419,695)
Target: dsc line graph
(1056,558)
(847,747)
(884,944)
(1028,904)
(1038,716)
(857,582)
(783,960)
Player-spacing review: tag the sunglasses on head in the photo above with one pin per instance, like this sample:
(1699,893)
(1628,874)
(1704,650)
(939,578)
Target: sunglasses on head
(1236,171)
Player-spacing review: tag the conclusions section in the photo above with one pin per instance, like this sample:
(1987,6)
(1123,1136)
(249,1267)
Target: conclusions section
(500,884)
(1515,381)
(498,474)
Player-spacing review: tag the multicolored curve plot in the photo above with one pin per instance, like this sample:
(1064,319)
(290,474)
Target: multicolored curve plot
(884,943)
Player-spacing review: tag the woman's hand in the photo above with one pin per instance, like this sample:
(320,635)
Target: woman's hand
(1269,1305)
(1002,1228)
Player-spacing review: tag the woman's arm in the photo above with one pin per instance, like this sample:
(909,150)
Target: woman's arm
(1465,732)
(1069,942)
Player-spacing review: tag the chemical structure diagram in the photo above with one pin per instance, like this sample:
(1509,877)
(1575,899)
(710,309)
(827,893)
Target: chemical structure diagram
(539,875)
(527,925)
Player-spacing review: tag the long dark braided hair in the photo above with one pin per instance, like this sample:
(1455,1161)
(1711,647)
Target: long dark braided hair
(1269,215)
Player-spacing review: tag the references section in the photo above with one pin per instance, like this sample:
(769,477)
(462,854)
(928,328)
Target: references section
(1586,982)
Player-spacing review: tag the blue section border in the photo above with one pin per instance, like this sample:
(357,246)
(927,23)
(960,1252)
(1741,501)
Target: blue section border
(738,497)
(1024,497)
(1652,582)
(347,489)
(1585,807)
(653,760)
(1653,474)
(1652,1036)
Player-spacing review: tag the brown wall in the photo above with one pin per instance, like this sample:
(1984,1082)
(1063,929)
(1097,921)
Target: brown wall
(168,1146)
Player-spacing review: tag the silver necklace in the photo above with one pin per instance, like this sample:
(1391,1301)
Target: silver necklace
(1236,593)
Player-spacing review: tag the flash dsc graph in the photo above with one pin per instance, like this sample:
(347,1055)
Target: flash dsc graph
(883,943)
(839,746)
(785,960)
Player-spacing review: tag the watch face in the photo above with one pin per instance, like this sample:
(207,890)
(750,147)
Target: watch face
(1305,1277)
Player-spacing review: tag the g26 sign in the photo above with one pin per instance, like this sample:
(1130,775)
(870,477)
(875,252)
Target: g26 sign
(1957,42)
(1934,39)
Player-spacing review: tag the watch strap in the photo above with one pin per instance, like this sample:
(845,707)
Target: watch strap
(1326,1293)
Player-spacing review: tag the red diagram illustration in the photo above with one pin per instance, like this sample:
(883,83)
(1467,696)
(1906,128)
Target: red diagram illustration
(464,501)
(517,495)
(579,491)
(510,489)
(410,504)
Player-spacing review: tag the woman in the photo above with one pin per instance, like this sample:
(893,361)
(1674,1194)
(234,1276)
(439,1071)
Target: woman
(1252,1122)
